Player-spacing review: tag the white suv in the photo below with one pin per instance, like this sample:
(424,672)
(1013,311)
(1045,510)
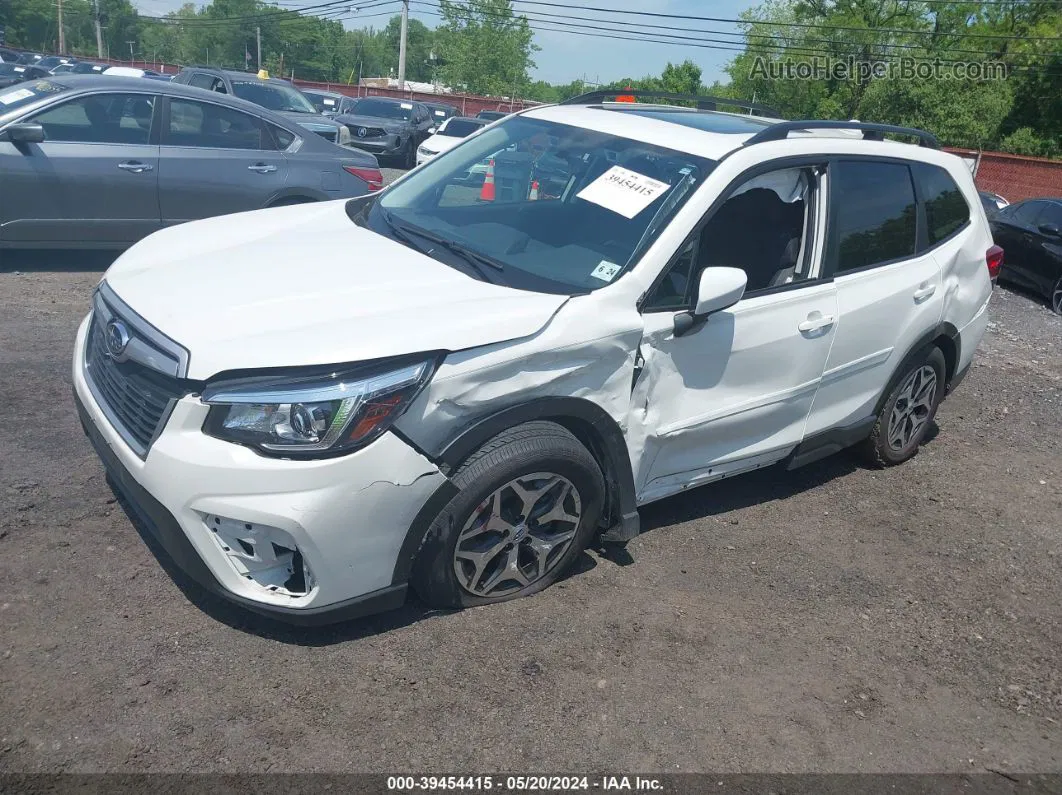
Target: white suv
(454,384)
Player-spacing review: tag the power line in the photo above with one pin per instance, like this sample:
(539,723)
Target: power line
(343,6)
(904,31)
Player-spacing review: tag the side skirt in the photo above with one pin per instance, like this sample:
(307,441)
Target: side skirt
(829,442)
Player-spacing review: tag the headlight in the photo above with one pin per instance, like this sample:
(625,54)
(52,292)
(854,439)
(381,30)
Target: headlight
(425,151)
(344,135)
(314,414)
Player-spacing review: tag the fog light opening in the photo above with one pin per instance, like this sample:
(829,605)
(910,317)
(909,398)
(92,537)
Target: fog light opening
(262,555)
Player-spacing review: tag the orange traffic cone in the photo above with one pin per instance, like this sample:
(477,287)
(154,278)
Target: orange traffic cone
(533,196)
(486,193)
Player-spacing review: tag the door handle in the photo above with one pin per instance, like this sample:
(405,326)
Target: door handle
(817,321)
(262,168)
(135,166)
(924,291)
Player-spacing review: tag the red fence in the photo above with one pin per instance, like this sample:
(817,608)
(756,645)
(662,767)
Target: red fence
(1015,177)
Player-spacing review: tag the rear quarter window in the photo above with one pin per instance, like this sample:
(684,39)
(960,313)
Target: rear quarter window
(946,208)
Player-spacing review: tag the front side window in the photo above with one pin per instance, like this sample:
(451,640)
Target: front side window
(274,96)
(873,218)
(100,119)
(200,80)
(382,109)
(946,209)
(204,124)
(554,208)
(762,227)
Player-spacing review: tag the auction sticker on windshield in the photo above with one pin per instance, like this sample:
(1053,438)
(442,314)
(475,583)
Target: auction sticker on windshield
(15,96)
(623,191)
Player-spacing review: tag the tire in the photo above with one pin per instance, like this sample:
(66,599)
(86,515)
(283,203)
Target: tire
(469,550)
(914,401)
(1056,297)
(409,155)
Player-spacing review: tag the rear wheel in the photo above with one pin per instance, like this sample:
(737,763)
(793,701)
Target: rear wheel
(908,411)
(409,155)
(528,504)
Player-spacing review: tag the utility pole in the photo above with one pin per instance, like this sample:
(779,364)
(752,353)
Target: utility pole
(62,36)
(130,43)
(258,35)
(402,46)
(99,32)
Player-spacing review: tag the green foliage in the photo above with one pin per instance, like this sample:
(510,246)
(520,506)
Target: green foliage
(1025,141)
(485,47)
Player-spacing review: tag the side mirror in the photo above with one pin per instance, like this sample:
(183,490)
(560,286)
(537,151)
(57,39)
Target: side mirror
(25,132)
(1051,230)
(718,289)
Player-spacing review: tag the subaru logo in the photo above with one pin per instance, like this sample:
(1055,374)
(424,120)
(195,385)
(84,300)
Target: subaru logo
(362,132)
(117,339)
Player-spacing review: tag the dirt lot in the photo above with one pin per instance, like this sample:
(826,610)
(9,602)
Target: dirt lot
(831,619)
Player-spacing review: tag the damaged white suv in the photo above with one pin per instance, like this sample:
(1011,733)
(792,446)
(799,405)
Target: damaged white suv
(454,384)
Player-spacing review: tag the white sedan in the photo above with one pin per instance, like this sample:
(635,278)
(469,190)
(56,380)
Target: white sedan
(450,134)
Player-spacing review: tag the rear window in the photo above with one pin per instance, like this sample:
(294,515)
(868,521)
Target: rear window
(873,214)
(22,94)
(946,209)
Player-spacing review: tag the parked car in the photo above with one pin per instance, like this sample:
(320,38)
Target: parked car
(391,128)
(49,62)
(62,68)
(277,95)
(492,115)
(30,58)
(132,71)
(11,73)
(456,389)
(110,183)
(89,68)
(450,134)
(440,112)
(1029,232)
(329,103)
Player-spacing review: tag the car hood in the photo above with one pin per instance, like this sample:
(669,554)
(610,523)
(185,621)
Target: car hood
(440,143)
(352,119)
(309,120)
(303,285)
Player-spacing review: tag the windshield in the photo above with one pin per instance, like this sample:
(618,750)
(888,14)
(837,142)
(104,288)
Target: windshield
(274,96)
(459,128)
(382,109)
(322,103)
(22,94)
(556,208)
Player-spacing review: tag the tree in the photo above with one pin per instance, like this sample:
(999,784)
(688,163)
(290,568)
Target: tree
(486,48)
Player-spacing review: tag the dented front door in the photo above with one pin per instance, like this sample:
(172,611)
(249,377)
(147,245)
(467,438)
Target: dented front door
(731,395)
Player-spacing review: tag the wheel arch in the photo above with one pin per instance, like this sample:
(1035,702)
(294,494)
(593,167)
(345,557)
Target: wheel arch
(587,421)
(944,336)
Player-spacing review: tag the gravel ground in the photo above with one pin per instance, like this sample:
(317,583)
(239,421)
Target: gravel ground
(831,619)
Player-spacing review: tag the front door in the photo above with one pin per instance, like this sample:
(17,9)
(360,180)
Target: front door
(735,393)
(94,179)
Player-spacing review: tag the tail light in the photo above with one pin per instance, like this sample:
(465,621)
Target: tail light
(370,175)
(994,260)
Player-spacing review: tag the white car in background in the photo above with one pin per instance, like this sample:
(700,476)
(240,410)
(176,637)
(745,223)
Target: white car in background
(456,388)
(450,134)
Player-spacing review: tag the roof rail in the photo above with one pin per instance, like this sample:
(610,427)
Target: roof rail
(597,96)
(871,132)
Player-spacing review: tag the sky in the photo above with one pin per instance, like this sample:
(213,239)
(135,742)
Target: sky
(565,57)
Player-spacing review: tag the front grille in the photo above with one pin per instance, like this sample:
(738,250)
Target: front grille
(370,132)
(136,399)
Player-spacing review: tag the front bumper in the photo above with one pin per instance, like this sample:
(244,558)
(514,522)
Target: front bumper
(384,145)
(349,516)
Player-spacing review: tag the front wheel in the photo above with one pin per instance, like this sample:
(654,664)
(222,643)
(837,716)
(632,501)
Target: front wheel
(1056,297)
(528,504)
(909,409)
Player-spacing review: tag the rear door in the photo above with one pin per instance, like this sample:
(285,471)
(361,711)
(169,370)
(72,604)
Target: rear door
(1012,229)
(888,293)
(1043,251)
(93,181)
(215,160)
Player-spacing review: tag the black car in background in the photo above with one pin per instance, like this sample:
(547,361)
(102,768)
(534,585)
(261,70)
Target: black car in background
(440,112)
(329,103)
(491,115)
(89,68)
(1029,233)
(387,127)
(11,73)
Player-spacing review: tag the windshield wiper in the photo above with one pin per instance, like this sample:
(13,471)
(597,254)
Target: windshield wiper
(479,262)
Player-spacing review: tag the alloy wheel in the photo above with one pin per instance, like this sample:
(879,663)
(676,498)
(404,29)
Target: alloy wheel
(517,535)
(1056,298)
(913,407)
